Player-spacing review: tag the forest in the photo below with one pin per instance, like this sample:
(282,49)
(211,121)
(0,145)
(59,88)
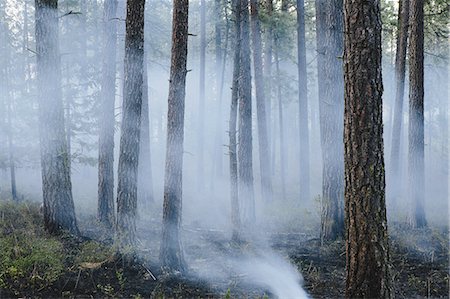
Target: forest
(224,149)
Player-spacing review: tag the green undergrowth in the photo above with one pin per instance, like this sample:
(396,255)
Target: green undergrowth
(31,260)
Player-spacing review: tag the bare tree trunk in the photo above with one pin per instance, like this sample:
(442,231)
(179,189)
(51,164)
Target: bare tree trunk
(105,209)
(268,37)
(171,253)
(12,166)
(59,210)
(416,156)
(245,148)
(400,64)
(235,216)
(201,108)
(131,127)
(302,103)
(329,25)
(264,155)
(145,178)
(366,239)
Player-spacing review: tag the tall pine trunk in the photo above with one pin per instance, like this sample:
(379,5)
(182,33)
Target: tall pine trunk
(235,216)
(105,209)
(131,127)
(264,155)
(171,253)
(366,239)
(245,148)
(59,210)
(400,65)
(302,103)
(329,26)
(416,149)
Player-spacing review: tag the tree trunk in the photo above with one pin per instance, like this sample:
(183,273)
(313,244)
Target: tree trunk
(280,124)
(235,216)
(416,165)
(264,155)
(145,178)
(302,103)
(171,253)
(130,130)
(329,26)
(366,239)
(245,149)
(400,64)
(201,108)
(105,210)
(12,166)
(59,210)
(268,37)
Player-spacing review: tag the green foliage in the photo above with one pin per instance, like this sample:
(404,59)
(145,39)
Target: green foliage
(93,252)
(27,259)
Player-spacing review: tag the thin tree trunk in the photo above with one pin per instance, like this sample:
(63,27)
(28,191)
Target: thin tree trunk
(145,178)
(400,65)
(12,166)
(367,245)
(201,108)
(245,149)
(264,155)
(268,37)
(302,103)
(280,124)
(329,26)
(235,216)
(105,209)
(130,130)
(171,253)
(416,156)
(59,210)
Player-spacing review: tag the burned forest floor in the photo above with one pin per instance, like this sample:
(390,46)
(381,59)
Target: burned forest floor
(34,264)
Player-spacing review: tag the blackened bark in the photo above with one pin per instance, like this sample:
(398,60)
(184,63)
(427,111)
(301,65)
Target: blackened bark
(130,129)
(245,150)
(416,155)
(264,155)
(105,209)
(302,103)
(59,210)
(235,216)
(171,253)
(400,64)
(329,26)
(366,239)
(145,178)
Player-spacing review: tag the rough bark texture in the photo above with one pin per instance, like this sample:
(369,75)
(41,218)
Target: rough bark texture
(302,103)
(59,210)
(264,155)
(400,64)
(367,241)
(245,151)
(235,216)
(145,178)
(171,254)
(416,150)
(329,26)
(130,129)
(105,209)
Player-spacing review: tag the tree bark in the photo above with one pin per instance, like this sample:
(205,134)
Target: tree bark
(367,245)
(105,209)
(302,103)
(264,155)
(171,253)
(235,214)
(130,129)
(59,210)
(329,26)
(245,149)
(416,155)
(400,65)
